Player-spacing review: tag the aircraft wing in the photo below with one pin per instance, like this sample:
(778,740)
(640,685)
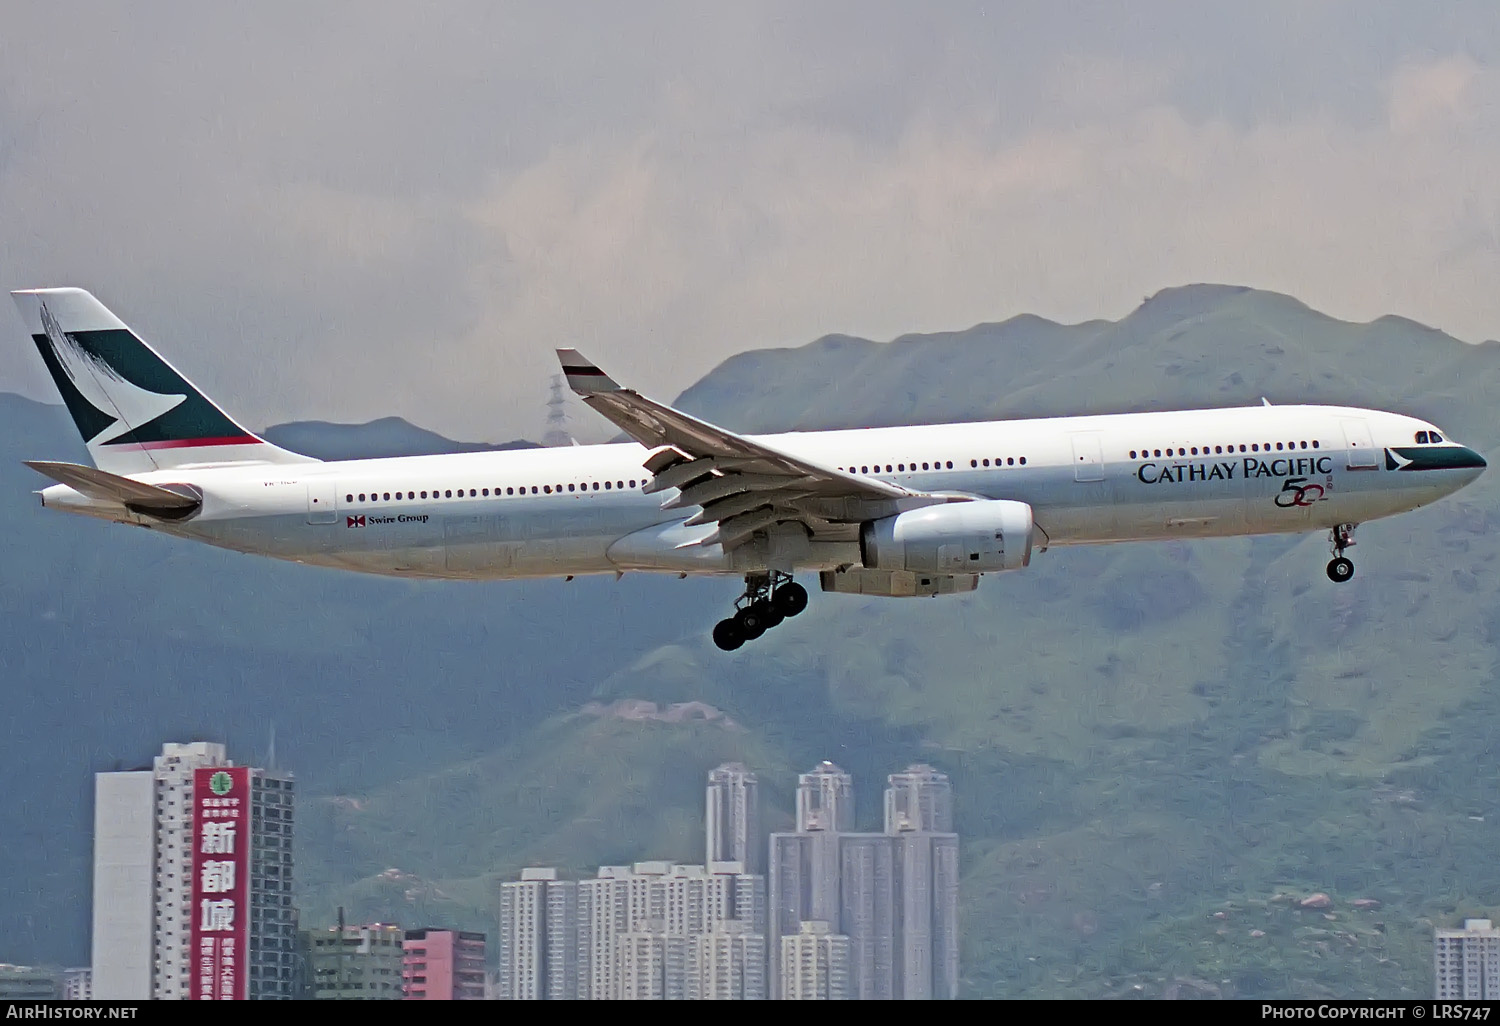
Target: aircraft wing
(741,484)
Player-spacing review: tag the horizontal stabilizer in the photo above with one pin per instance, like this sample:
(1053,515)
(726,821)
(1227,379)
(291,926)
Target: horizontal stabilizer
(106,487)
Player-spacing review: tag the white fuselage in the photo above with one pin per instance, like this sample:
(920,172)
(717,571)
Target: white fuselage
(581,510)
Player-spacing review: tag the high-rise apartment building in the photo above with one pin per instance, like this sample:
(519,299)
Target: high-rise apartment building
(653,929)
(684,900)
(732,818)
(173,809)
(273,920)
(357,963)
(443,965)
(727,964)
(78,984)
(124,913)
(919,798)
(1466,963)
(651,964)
(893,895)
(567,957)
(815,964)
(538,937)
(824,872)
(868,887)
(919,817)
(825,800)
(149,906)
(566,939)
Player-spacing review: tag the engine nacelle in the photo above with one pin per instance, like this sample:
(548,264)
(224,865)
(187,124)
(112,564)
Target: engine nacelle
(981,537)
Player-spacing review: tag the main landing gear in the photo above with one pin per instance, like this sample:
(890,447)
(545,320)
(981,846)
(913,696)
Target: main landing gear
(768,599)
(1341,569)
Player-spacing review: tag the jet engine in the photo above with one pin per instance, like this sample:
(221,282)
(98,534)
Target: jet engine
(987,536)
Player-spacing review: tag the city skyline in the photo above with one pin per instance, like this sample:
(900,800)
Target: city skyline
(844,914)
(686,931)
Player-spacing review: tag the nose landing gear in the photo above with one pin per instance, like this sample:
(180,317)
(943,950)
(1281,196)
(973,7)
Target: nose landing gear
(769,599)
(1340,569)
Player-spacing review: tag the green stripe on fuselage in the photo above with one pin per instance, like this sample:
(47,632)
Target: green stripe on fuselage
(1444,457)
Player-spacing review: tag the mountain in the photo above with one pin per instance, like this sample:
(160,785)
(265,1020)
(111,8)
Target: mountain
(388,436)
(1157,751)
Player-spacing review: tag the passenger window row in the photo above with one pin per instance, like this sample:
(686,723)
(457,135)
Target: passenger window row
(899,468)
(448,493)
(907,468)
(1181,451)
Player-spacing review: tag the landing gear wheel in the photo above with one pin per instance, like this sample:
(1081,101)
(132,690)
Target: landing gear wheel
(790,599)
(769,598)
(771,613)
(1340,569)
(751,621)
(727,635)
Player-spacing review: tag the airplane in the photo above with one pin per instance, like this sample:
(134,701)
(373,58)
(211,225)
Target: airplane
(913,511)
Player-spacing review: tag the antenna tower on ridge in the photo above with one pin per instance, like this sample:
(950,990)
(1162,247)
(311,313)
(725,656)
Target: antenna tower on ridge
(557,416)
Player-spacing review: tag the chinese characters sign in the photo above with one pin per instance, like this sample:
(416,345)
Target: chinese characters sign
(221,885)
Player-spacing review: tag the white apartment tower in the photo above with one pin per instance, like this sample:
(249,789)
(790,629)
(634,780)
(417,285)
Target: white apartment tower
(732,819)
(1466,963)
(893,895)
(629,932)
(727,964)
(651,964)
(825,800)
(919,819)
(919,799)
(143,862)
(524,946)
(173,810)
(678,901)
(124,886)
(78,984)
(815,964)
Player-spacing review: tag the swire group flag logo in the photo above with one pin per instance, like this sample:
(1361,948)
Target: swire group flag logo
(221,883)
(358,521)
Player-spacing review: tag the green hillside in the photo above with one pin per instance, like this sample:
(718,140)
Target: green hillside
(1157,751)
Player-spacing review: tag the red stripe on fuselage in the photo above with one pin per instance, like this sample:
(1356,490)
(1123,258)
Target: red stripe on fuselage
(191,443)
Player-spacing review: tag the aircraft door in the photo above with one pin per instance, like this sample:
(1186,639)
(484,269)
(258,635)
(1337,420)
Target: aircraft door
(1088,456)
(1361,450)
(321,504)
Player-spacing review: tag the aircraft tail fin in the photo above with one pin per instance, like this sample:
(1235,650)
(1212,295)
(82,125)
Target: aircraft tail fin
(136,413)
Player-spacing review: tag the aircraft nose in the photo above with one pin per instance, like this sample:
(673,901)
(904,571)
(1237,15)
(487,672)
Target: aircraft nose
(1469,463)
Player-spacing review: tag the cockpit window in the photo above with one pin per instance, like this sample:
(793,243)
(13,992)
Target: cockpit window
(1433,436)
(1422,437)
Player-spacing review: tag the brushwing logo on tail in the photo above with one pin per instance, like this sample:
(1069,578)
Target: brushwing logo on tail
(129,405)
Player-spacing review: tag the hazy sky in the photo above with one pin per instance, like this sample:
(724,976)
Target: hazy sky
(344,211)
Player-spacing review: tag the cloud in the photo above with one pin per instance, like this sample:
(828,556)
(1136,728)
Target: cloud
(367,210)
(693,252)
(1435,92)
